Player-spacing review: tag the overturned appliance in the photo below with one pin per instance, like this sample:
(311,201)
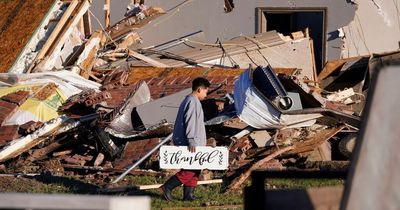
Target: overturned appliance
(261,100)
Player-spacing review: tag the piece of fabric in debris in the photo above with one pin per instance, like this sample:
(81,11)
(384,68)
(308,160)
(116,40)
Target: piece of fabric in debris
(34,108)
(189,126)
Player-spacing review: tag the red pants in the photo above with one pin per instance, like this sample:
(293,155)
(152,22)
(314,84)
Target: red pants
(188,177)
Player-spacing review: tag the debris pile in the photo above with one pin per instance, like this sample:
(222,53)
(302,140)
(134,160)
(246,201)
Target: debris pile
(96,103)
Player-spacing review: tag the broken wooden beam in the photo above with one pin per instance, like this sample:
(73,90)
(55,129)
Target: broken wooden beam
(54,34)
(155,186)
(107,13)
(128,40)
(315,141)
(85,61)
(87,24)
(23,144)
(99,159)
(237,182)
(146,59)
(49,55)
(61,153)
(39,153)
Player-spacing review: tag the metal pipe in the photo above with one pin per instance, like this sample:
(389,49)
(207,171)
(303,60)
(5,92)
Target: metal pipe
(142,159)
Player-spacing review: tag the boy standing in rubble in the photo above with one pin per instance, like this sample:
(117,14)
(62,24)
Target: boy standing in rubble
(189,130)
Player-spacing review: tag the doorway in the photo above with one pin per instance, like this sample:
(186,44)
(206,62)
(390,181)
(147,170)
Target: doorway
(286,21)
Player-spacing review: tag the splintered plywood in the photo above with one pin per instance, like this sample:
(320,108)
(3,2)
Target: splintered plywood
(374,176)
(18,21)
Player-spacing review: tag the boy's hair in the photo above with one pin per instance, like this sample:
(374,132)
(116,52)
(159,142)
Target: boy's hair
(200,82)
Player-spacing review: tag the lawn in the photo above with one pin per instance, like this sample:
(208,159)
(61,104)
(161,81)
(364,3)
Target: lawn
(211,194)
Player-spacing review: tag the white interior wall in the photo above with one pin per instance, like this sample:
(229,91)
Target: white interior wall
(375,28)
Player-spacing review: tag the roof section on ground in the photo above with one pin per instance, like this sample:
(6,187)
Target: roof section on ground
(18,20)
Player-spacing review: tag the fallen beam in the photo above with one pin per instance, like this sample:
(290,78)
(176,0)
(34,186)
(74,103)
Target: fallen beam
(155,186)
(146,59)
(55,48)
(237,182)
(85,62)
(51,128)
(54,34)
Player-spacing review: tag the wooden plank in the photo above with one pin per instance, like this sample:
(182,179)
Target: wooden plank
(85,62)
(39,153)
(286,71)
(18,146)
(53,52)
(107,13)
(125,26)
(314,67)
(315,141)
(130,39)
(146,59)
(81,26)
(329,68)
(297,35)
(237,182)
(155,186)
(54,34)
(87,24)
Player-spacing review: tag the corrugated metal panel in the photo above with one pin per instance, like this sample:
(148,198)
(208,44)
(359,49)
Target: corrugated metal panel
(256,110)
(201,53)
(122,124)
(163,110)
(234,46)
(252,107)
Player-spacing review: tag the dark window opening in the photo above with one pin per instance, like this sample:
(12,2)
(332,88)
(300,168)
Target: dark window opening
(229,5)
(286,22)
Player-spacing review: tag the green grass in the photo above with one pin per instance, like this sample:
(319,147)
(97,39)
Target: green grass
(211,194)
(301,183)
(24,185)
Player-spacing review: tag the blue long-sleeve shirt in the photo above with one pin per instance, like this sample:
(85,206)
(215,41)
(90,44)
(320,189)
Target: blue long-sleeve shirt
(189,129)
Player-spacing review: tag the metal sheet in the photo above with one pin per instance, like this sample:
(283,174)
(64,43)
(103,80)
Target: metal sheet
(256,110)
(252,107)
(122,125)
(163,110)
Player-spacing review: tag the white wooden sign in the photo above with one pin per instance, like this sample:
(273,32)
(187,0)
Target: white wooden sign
(179,157)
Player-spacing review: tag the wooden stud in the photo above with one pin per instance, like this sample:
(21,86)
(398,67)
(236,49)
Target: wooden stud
(54,35)
(68,27)
(146,59)
(236,183)
(81,26)
(87,24)
(155,186)
(107,13)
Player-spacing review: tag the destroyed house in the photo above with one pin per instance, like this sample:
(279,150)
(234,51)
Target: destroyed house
(289,81)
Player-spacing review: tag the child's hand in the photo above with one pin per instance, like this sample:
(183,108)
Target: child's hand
(192,148)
